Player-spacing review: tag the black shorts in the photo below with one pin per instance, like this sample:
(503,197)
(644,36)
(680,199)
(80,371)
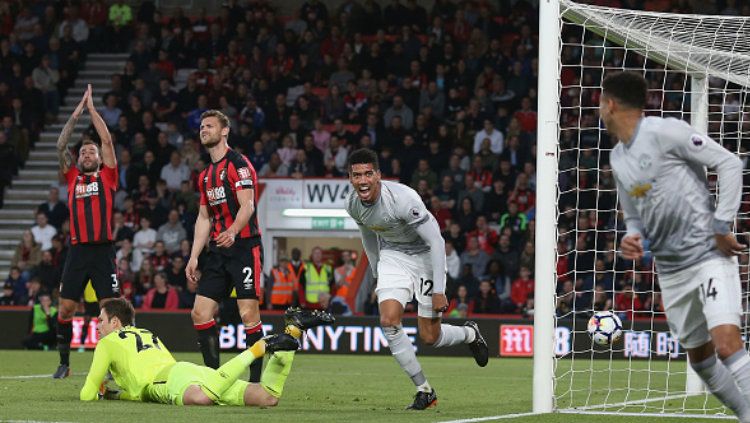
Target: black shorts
(91,309)
(238,267)
(90,261)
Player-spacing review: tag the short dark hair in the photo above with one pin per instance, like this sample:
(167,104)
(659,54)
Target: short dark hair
(364,156)
(120,308)
(223,119)
(627,88)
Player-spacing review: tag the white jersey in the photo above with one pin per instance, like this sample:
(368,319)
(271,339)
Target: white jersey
(399,221)
(393,217)
(662,186)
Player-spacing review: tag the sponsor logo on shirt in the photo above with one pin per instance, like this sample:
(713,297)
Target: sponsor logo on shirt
(216,195)
(87,190)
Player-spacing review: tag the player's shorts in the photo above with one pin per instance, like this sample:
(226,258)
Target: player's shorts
(170,386)
(239,268)
(90,261)
(90,301)
(701,297)
(402,277)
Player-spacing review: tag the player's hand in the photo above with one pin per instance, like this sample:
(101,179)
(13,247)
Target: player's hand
(79,108)
(728,245)
(632,247)
(439,302)
(191,269)
(226,238)
(90,98)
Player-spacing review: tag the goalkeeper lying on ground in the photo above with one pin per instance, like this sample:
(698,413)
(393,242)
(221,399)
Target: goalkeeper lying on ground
(145,370)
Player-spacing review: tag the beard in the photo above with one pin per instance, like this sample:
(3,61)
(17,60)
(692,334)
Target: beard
(91,167)
(211,142)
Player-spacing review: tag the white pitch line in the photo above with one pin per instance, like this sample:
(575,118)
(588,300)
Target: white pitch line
(490,418)
(19,377)
(681,415)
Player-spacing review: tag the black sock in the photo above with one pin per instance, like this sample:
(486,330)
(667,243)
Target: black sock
(253,335)
(85,331)
(208,340)
(64,335)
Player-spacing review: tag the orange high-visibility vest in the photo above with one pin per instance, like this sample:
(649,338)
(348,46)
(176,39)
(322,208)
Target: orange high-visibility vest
(283,288)
(346,281)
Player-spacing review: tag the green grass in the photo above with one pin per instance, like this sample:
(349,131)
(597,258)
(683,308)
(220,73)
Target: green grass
(338,388)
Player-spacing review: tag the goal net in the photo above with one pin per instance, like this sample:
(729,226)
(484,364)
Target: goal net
(698,70)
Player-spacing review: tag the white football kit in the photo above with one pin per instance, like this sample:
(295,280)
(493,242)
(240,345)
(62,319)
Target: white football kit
(403,244)
(662,187)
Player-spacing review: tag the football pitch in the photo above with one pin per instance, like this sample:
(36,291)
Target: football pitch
(320,388)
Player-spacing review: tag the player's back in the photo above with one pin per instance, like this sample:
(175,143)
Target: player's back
(660,170)
(136,356)
(393,217)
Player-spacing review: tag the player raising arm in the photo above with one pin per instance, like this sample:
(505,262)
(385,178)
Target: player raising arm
(92,184)
(407,256)
(145,371)
(691,239)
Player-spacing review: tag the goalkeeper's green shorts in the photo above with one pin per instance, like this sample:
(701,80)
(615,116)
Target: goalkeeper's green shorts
(170,385)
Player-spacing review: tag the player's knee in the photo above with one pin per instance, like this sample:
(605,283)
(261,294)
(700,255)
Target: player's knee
(200,316)
(726,347)
(389,321)
(429,338)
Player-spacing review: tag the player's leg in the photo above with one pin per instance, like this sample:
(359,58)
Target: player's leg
(71,287)
(687,322)
(244,270)
(431,329)
(212,289)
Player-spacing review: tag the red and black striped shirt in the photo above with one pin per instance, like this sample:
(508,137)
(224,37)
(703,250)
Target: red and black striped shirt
(91,199)
(218,185)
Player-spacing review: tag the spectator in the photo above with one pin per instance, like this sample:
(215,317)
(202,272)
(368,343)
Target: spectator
(475,257)
(7,298)
(495,137)
(274,168)
(172,233)
(46,79)
(522,194)
(16,279)
(161,296)
(452,261)
(42,231)
(486,236)
(8,163)
(144,239)
(43,323)
(486,302)
(28,254)
(461,298)
(423,172)
(48,272)
(55,209)
(442,215)
(175,172)
(402,111)
(507,256)
(111,115)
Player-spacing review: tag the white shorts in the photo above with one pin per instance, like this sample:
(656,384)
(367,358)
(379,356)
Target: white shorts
(402,277)
(701,297)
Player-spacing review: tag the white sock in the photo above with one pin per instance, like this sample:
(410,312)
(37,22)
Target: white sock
(403,351)
(720,383)
(454,335)
(425,387)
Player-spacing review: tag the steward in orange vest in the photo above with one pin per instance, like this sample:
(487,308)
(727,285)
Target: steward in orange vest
(284,282)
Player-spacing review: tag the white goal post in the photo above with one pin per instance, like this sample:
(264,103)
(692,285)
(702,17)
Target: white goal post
(698,67)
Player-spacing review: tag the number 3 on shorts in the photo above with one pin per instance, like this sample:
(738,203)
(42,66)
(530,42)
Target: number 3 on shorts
(708,290)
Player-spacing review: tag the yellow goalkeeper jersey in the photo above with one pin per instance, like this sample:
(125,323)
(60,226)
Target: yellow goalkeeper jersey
(134,357)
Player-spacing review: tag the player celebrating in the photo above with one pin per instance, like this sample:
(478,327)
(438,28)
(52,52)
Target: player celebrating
(407,256)
(145,371)
(227,215)
(691,239)
(91,190)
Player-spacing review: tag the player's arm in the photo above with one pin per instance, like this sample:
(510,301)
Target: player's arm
(108,148)
(63,153)
(429,231)
(246,198)
(371,245)
(686,143)
(97,373)
(631,245)
(200,237)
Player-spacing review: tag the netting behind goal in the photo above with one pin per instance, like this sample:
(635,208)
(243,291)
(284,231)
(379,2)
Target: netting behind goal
(697,68)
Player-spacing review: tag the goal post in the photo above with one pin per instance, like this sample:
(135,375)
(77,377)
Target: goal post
(698,68)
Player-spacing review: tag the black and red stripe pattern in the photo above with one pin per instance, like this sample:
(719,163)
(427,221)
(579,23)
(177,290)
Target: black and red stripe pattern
(91,200)
(218,185)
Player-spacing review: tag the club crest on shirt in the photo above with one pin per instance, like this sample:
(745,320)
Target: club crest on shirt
(222,174)
(414,212)
(640,190)
(644,161)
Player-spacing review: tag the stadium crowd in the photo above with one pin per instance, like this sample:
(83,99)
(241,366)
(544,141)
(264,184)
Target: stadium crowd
(446,95)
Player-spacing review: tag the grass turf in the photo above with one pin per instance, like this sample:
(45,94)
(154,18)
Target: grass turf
(346,388)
